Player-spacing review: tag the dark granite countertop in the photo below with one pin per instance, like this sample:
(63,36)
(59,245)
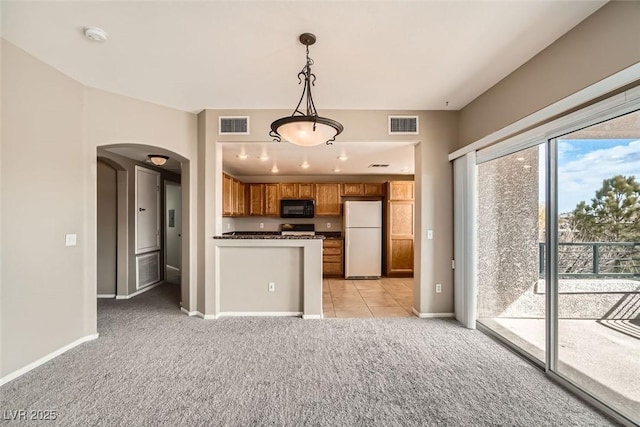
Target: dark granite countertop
(251,233)
(330,234)
(266,236)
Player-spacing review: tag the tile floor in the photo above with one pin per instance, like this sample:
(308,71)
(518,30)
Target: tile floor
(384,297)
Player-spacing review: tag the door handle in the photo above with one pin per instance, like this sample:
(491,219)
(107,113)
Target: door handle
(141,209)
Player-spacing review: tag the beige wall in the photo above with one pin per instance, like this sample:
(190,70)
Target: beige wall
(246,289)
(434,211)
(113,119)
(107,223)
(46,301)
(51,128)
(603,44)
(434,202)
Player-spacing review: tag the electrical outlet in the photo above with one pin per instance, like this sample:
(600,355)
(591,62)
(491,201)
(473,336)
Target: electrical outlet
(328,225)
(262,225)
(272,286)
(438,288)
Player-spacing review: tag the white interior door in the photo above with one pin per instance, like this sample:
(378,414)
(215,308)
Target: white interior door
(147,210)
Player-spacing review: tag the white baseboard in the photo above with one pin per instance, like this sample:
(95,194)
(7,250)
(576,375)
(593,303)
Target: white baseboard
(45,359)
(187,312)
(145,289)
(311,316)
(205,316)
(432,315)
(171,267)
(260,314)
(106,295)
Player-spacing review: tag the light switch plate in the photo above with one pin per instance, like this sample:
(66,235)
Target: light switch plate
(70,239)
(429,234)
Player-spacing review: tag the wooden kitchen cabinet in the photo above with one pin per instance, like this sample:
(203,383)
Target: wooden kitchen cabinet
(256,199)
(400,190)
(332,257)
(352,189)
(289,190)
(328,199)
(241,198)
(233,196)
(362,189)
(227,195)
(373,189)
(399,229)
(271,199)
(305,191)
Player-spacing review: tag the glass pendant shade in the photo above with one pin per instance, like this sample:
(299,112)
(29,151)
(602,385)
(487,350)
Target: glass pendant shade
(158,159)
(306,131)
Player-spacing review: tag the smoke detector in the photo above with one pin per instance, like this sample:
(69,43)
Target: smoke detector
(95,34)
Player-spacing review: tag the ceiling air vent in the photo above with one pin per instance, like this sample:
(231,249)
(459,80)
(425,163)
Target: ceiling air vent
(403,125)
(238,125)
(378,165)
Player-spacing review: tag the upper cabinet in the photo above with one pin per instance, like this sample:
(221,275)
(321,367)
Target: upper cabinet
(271,199)
(290,190)
(400,190)
(240,199)
(233,196)
(227,195)
(256,199)
(362,189)
(328,199)
(305,191)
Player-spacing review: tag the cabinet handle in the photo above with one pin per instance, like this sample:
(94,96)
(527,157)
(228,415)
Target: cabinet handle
(141,209)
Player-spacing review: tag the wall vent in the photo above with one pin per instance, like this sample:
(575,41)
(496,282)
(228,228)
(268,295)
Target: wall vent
(236,125)
(403,125)
(147,269)
(378,165)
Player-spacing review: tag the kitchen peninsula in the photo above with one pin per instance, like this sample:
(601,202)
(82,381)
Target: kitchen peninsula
(268,274)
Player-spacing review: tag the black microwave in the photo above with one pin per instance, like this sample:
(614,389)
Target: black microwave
(297,208)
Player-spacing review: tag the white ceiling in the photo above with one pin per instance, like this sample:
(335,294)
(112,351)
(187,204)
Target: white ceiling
(414,55)
(321,159)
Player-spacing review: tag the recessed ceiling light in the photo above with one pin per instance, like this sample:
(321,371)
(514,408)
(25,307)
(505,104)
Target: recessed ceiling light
(275,169)
(337,169)
(95,34)
(520,159)
(527,166)
(263,157)
(305,165)
(243,156)
(343,158)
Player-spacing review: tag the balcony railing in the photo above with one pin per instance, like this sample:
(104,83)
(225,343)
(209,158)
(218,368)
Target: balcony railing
(595,259)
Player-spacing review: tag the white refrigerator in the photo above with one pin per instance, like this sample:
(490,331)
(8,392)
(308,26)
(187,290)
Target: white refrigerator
(363,239)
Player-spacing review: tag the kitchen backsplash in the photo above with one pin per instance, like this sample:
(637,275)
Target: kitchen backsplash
(273,224)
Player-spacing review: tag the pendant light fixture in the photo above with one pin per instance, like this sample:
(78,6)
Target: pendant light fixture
(306,129)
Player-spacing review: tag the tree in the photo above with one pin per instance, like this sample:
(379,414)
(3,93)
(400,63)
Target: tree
(612,216)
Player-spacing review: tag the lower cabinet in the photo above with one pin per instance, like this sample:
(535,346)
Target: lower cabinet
(332,257)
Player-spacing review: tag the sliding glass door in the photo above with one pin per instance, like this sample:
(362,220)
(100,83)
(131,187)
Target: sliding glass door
(558,255)
(511,238)
(598,261)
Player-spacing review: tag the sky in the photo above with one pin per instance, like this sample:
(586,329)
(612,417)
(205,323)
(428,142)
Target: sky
(584,163)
